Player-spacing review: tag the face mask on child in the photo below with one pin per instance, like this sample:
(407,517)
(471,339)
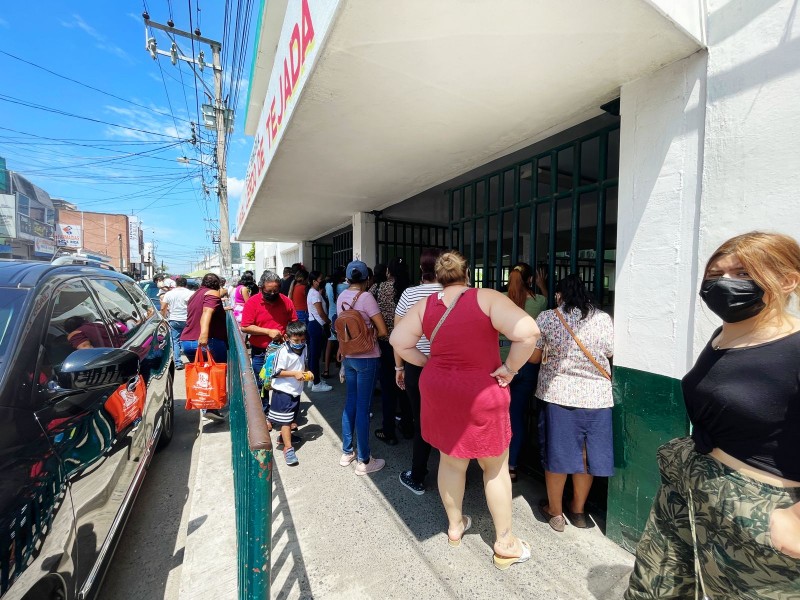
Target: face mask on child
(297,347)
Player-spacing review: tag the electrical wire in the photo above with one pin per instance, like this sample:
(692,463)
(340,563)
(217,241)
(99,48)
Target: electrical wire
(86,85)
(12,100)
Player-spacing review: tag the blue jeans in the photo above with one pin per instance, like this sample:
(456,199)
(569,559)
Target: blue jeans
(218,348)
(257,360)
(316,343)
(523,386)
(175,330)
(359,375)
(302,315)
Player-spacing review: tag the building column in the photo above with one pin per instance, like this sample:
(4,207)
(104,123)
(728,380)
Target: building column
(364,243)
(306,254)
(660,175)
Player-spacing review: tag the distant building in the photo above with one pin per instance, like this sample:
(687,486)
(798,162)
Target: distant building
(27,218)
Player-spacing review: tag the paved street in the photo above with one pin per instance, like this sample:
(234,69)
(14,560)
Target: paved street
(149,558)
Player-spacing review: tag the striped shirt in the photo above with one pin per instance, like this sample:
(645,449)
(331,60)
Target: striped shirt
(408,299)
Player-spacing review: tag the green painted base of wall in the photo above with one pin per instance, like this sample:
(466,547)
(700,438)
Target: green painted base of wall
(648,412)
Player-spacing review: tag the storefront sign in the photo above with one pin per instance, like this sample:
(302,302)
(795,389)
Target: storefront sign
(304,29)
(44,246)
(30,229)
(8,211)
(68,236)
(133,240)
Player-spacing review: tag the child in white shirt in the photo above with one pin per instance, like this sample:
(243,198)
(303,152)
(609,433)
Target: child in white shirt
(288,378)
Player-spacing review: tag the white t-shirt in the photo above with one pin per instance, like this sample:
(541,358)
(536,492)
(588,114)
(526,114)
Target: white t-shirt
(313,297)
(288,360)
(408,299)
(176,301)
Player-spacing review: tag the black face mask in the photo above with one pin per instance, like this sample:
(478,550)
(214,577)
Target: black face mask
(732,300)
(270,296)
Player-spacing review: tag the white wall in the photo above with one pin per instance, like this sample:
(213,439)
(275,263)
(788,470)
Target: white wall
(661,154)
(752,127)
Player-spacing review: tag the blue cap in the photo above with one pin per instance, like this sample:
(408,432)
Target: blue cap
(357,266)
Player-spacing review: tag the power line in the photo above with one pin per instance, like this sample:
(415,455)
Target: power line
(86,85)
(21,102)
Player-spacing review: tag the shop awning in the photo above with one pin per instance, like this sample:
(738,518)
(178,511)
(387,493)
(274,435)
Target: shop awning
(370,102)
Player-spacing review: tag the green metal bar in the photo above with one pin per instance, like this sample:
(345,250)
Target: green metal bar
(575,225)
(551,263)
(599,258)
(252,471)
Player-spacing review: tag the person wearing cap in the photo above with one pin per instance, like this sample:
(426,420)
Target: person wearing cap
(360,371)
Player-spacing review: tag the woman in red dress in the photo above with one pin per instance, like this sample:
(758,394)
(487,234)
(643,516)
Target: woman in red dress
(465,398)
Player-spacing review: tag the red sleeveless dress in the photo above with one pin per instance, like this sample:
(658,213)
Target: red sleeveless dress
(464,413)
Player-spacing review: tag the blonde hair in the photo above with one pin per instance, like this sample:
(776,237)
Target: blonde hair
(769,258)
(451,267)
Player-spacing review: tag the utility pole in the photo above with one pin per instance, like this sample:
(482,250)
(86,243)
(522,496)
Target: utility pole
(222,182)
(222,121)
(121,267)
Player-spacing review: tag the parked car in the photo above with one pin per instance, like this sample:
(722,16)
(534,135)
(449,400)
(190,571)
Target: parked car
(86,397)
(151,291)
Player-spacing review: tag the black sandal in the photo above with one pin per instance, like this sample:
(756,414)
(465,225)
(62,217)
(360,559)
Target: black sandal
(381,435)
(512,472)
(325,375)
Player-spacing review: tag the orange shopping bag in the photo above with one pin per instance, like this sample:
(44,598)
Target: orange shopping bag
(205,382)
(126,404)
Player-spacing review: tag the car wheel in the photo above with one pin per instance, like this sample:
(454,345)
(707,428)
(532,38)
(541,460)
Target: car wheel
(167,415)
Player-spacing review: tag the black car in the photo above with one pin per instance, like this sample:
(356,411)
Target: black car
(86,379)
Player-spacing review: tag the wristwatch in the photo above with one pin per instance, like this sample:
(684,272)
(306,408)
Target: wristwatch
(396,368)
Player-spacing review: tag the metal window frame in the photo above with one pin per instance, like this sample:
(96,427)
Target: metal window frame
(494,275)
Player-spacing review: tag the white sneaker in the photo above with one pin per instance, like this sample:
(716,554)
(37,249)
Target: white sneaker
(347,459)
(321,387)
(374,464)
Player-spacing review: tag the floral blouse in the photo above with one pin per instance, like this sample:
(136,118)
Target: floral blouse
(384,294)
(568,378)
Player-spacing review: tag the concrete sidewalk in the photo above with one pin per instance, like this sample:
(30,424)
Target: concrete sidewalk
(336,535)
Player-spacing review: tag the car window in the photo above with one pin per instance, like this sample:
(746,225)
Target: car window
(11,302)
(139,297)
(75,323)
(127,317)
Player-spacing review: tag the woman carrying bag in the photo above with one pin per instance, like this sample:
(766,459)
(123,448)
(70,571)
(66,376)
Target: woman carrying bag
(575,387)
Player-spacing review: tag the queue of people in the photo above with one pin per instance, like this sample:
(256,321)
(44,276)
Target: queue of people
(459,366)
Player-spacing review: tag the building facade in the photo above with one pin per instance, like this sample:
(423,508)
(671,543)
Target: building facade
(27,218)
(622,141)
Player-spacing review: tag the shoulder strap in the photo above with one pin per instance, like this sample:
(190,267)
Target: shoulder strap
(352,304)
(583,348)
(447,312)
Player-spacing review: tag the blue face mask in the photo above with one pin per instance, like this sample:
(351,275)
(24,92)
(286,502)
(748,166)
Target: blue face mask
(297,347)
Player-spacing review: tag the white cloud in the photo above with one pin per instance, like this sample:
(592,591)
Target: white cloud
(235,187)
(100,40)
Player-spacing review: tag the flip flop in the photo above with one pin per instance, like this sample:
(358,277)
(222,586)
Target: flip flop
(579,520)
(504,562)
(467,525)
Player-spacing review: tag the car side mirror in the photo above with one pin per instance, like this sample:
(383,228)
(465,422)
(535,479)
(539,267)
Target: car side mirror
(97,368)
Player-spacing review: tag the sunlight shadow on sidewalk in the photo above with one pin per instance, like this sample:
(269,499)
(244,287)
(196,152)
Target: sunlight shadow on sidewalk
(288,566)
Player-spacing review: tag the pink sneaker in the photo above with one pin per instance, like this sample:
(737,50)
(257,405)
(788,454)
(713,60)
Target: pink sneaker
(374,464)
(347,459)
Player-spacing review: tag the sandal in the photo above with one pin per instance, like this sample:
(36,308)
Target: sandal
(557,522)
(467,524)
(512,472)
(381,435)
(504,562)
(325,375)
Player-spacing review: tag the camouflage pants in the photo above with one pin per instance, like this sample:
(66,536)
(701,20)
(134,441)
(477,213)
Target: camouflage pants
(731,518)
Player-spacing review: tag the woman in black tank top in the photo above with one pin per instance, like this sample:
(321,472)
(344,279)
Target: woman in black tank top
(726,519)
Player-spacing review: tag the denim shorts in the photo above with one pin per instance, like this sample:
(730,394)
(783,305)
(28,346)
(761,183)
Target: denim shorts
(563,433)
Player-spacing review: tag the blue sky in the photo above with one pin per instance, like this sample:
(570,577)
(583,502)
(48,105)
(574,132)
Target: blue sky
(126,162)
